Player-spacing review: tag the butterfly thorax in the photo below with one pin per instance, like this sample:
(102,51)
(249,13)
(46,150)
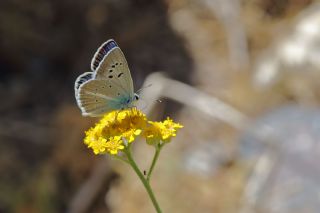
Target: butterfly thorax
(124,101)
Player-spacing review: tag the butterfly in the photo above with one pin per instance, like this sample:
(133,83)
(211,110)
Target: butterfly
(109,86)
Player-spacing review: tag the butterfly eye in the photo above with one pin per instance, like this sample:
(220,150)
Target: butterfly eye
(136,96)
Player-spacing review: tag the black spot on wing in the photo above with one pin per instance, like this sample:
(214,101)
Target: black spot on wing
(120,74)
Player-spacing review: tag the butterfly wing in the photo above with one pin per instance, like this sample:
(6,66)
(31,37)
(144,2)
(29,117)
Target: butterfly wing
(101,52)
(109,86)
(96,97)
(82,79)
(114,68)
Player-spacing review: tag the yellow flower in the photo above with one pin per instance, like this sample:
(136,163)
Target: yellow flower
(114,145)
(170,128)
(130,134)
(152,134)
(108,134)
(161,131)
(92,135)
(99,146)
(118,128)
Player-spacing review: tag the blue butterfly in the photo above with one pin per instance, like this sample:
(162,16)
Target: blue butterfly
(109,86)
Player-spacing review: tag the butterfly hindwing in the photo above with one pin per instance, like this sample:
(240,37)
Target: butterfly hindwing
(100,96)
(82,79)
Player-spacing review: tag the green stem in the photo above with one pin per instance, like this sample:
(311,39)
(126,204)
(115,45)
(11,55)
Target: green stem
(121,159)
(143,180)
(154,160)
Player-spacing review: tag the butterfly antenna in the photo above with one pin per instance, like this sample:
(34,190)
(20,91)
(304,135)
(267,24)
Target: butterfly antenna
(144,104)
(142,88)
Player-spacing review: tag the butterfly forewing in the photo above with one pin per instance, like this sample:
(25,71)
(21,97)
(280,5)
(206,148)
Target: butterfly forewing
(102,51)
(97,97)
(114,68)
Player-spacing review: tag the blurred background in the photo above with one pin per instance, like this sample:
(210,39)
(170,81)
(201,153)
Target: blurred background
(245,74)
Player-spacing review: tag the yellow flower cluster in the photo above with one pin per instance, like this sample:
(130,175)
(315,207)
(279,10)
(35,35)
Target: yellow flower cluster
(161,131)
(117,128)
